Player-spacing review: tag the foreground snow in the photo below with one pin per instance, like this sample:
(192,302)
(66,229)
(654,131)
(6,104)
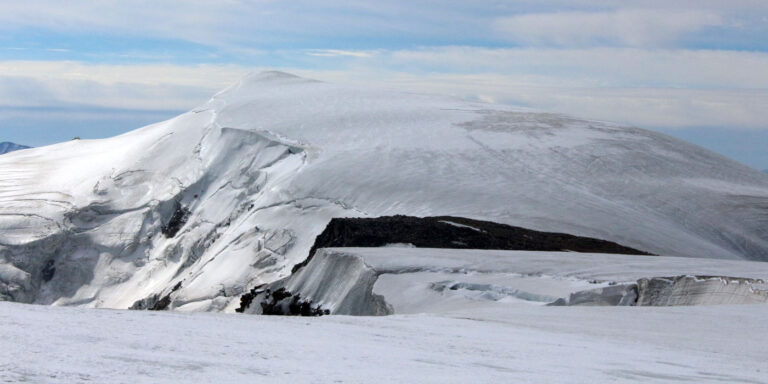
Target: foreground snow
(493,327)
(532,344)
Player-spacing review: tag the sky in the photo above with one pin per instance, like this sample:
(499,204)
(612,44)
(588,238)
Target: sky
(695,69)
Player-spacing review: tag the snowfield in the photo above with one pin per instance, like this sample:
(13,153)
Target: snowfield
(439,336)
(209,204)
(535,344)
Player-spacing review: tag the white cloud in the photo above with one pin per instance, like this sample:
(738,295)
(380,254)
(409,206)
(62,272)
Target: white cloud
(240,26)
(338,53)
(644,87)
(625,27)
(146,87)
(648,107)
(596,67)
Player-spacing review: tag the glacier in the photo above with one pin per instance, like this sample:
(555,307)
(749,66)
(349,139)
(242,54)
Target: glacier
(201,208)
(386,281)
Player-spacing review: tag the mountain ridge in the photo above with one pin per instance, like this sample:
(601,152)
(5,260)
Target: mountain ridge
(7,146)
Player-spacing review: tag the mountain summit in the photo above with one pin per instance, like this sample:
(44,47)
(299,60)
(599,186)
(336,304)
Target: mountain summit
(6,147)
(233,193)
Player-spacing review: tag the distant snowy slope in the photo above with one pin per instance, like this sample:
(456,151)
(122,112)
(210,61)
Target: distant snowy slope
(6,147)
(233,193)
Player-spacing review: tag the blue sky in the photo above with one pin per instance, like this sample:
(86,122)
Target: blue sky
(694,69)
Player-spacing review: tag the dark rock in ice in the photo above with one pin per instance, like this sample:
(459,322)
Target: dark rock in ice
(247,298)
(452,232)
(156,302)
(177,220)
(49,269)
(281,302)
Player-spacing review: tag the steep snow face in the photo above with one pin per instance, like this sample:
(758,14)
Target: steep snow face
(86,223)
(6,147)
(233,193)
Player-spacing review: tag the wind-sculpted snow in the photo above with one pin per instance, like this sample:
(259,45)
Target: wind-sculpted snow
(532,344)
(258,171)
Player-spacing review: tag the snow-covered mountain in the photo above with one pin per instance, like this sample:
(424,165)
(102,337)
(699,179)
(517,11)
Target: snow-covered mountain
(205,206)
(6,147)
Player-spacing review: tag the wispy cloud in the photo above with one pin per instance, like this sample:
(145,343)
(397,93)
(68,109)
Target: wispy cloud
(656,63)
(649,107)
(630,27)
(173,87)
(339,53)
(596,67)
(342,24)
(138,86)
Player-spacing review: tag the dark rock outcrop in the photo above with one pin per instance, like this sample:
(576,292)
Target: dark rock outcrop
(49,269)
(247,298)
(177,220)
(452,232)
(156,302)
(281,302)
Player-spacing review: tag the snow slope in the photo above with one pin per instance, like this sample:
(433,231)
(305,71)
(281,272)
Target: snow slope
(264,165)
(6,147)
(534,345)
